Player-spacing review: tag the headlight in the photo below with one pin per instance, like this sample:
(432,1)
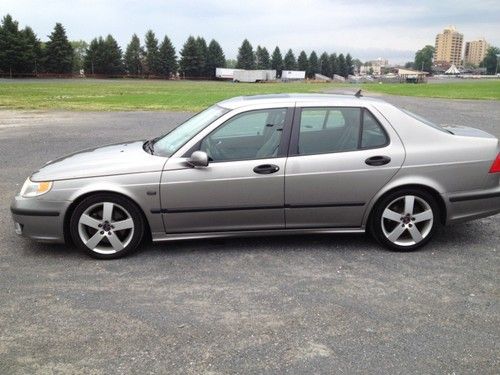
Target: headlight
(34,189)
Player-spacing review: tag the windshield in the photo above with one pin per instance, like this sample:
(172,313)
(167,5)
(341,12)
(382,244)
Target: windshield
(171,142)
(425,121)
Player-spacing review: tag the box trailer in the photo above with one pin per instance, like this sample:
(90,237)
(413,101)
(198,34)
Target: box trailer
(225,73)
(250,76)
(290,75)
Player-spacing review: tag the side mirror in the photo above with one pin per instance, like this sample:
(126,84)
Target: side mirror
(198,159)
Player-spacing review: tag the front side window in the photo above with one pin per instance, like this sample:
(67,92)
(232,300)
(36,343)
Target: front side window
(171,142)
(338,129)
(249,135)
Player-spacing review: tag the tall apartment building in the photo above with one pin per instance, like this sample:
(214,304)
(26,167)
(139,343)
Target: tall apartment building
(449,46)
(475,51)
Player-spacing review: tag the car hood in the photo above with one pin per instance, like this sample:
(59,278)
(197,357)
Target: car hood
(120,158)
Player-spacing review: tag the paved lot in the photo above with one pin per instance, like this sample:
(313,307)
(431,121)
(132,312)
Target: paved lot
(308,304)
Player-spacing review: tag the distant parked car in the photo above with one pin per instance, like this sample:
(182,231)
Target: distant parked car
(262,165)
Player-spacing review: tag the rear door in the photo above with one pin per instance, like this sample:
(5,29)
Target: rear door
(339,158)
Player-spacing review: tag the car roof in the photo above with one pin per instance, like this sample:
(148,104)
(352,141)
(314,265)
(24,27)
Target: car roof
(335,99)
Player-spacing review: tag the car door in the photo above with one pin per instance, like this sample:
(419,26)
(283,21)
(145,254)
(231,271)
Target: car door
(339,158)
(242,188)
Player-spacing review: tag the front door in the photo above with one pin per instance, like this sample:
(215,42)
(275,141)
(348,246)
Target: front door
(340,157)
(242,188)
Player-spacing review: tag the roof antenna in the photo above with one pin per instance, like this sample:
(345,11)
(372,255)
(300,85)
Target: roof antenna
(358,94)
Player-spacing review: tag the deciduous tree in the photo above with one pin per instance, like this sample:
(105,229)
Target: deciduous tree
(423,59)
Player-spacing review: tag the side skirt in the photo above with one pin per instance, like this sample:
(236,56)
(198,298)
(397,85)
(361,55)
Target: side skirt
(158,237)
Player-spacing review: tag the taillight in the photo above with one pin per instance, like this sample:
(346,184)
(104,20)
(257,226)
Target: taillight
(495,167)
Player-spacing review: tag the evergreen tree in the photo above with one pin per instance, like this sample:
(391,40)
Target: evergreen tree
(104,56)
(92,60)
(191,58)
(303,62)
(134,56)
(342,66)
(152,53)
(334,64)
(58,52)
(246,58)
(112,57)
(277,61)
(203,52)
(262,59)
(215,58)
(168,59)
(19,50)
(79,49)
(289,62)
(349,64)
(32,51)
(313,65)
(324,65)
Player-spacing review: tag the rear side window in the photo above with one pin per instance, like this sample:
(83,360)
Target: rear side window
(338,129)
(373,135)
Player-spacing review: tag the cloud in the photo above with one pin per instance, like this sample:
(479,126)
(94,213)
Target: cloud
(367,29)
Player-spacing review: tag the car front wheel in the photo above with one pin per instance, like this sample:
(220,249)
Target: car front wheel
(107,226)
(405,220)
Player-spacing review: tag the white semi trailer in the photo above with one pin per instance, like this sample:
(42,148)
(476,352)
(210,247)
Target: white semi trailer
(225,73)
(293,75)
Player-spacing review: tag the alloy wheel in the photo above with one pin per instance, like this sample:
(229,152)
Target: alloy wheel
(407,220)
(106,228)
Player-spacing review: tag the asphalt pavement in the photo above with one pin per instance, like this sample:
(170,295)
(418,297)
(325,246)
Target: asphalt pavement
(295,305)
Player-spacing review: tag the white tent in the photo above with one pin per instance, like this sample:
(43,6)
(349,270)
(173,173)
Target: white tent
(453,70)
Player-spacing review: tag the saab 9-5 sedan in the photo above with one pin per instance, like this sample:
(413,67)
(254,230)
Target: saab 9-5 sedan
(262,165)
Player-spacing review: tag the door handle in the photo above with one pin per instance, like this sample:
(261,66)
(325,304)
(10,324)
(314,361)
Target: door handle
(378,160)
(266,169)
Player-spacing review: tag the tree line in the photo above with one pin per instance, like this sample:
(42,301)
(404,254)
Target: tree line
(326,64)
(21,52)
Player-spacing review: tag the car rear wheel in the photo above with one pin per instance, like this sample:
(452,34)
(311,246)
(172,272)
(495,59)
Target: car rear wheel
(107,226)
(405,220)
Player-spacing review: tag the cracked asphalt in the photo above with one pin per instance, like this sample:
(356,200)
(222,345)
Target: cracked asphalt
(277,305)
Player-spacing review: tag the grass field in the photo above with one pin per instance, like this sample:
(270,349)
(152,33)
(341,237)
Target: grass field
(108,95)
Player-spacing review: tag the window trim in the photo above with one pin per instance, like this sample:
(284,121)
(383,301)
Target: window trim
(295,134)
(283,148)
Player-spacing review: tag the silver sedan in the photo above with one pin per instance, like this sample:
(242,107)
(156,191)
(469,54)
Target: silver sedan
(262,165)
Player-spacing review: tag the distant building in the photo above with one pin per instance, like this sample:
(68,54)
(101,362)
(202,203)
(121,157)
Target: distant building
(475,51)
(374,66)
(449,46)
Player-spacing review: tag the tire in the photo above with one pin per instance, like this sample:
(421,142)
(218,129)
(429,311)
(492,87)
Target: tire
(405,220)
(107,226)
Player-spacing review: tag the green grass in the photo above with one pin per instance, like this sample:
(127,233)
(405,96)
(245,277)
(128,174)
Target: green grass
(484,89)
(108,95)
(112,95)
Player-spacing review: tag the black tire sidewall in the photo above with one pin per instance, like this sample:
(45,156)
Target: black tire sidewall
(127,204)
(376,218)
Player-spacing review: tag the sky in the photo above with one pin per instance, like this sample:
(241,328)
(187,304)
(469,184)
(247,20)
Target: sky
(367,29)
